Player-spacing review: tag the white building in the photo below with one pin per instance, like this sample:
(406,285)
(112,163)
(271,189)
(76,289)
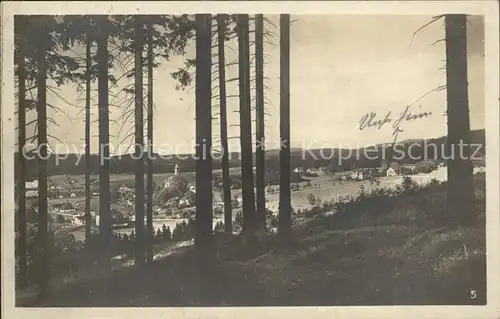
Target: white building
(391,172)
(77,220)
(239,199)
(31,189)
(299,170)
(192,188)
(357,175)
(184,202)
(31,185)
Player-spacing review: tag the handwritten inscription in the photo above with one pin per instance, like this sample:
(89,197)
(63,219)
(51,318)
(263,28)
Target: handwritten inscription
(373,120)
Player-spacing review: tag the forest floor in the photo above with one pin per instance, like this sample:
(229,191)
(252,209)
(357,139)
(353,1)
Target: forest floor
(383,253)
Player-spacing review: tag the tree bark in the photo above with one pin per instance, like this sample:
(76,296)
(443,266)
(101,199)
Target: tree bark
(149,213)
(105,232)
(139,148)
(204,212)
(249,215)
(285,205)
(43,244)
(226,178)
(260,128)
(88,220)
(21,182)
(460,173)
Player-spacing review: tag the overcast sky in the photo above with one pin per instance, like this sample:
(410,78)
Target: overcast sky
(341,68)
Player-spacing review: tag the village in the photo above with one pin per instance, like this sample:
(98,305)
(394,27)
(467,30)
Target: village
(174,199)
(175,196)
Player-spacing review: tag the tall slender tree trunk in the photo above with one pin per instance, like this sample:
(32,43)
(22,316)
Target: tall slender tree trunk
(43,240)
(21,182)
(150,230)
(226,178)
(260,128)
(285,205)
(105,232)
(139,148)
(460,174)
(88,220)
(249,215)
(204,213)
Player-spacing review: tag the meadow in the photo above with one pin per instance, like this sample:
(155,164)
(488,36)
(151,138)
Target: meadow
(387,248)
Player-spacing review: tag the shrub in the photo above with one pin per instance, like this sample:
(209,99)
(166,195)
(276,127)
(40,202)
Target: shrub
(374,182)
(427,166)
(238,220)
(315,210)
(273,221)
(434,182)
(408,184)
(219,226)
(327,205)
(362,192)
(311,199)
(218,210)
(318,201)
(60,219)
(183,231)
(166,234)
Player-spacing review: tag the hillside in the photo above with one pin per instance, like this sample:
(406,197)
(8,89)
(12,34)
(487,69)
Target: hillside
(306,158)
(384,249)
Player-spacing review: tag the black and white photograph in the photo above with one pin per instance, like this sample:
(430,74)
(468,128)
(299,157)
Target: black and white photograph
(229,156)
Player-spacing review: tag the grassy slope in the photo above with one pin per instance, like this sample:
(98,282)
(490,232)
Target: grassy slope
(389,250)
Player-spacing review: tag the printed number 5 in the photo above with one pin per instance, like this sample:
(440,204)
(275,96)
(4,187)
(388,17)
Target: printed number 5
(473,294)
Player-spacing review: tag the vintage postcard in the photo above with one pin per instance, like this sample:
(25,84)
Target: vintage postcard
(250,159)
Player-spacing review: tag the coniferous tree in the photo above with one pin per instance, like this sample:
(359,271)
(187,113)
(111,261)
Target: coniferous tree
(204,214)
(249,215)
(460,173)
(21,179)
(150,189)
(41,84)
(285,205)
(88,80)
(260,134)
(105,232)
(139,145)
(226,184)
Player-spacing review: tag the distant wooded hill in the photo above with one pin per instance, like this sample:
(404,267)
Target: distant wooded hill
(304,158)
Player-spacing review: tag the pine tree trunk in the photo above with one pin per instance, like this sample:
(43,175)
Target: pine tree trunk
(249,215)
(21,182)
(226,178)
(105,232)
(88,220)
(139,147)
(285,205)
(150,230)
(460,174)
(204,213)
(41,84)
(260,129)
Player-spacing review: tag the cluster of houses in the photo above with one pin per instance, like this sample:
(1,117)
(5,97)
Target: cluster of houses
(311,171)
(394,169)
(70,213)
(54,191)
